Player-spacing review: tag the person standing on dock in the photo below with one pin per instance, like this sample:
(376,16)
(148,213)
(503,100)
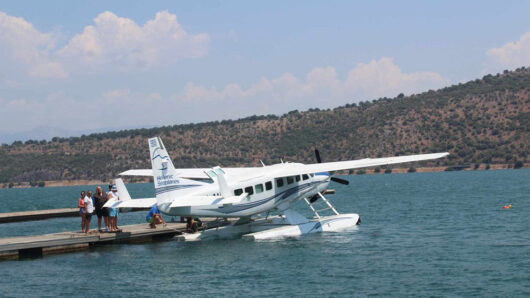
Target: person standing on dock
(108,224)
(81,205)
(89,209)
(101,198)
(113,212)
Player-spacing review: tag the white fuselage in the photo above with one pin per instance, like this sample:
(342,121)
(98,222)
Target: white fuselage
(266,192)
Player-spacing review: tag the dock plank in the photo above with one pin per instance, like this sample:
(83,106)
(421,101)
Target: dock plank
(44,214)
(12,247)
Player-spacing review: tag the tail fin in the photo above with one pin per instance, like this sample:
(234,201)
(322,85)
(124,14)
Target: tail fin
(164,173)
(165,176)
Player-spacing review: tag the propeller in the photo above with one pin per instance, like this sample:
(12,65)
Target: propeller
(317,155)
(335,179)
(341,181)
(314,198)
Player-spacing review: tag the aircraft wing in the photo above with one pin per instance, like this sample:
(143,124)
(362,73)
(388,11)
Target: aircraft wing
(190,173)
(297,169)
(136,203)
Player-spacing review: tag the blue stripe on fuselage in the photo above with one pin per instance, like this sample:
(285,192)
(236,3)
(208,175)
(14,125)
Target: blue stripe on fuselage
(282,196)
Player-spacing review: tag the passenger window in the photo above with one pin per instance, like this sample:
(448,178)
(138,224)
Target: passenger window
(297,178)
(259,188)
(305,177)
(279,182)
(238,192)
(268,185)
(249,190)
(290,180)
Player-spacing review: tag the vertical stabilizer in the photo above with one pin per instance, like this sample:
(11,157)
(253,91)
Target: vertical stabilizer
(164,173)
(167,183)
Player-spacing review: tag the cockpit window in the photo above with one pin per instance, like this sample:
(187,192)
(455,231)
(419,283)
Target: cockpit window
(238,192)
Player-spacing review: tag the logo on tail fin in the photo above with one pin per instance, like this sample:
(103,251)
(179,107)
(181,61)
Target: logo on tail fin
(155,155)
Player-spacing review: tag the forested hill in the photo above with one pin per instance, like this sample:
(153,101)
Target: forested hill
(482,121)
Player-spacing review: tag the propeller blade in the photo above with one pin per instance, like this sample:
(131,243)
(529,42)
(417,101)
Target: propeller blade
(341,181)
(317,154)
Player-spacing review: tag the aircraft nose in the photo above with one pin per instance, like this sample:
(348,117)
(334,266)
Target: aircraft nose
(322,176)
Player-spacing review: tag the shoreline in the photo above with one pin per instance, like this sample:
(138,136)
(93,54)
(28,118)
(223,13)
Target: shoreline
(369,171)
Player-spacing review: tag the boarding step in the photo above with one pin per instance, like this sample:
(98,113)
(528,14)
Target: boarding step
(324,204)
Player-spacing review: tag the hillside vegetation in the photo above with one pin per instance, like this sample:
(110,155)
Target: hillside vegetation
(482,121)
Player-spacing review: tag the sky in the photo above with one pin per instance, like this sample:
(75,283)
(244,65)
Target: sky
(74,67)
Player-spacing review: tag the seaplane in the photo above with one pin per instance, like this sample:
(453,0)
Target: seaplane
(258,200)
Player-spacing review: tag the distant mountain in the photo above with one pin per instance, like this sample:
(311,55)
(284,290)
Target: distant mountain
(482,121)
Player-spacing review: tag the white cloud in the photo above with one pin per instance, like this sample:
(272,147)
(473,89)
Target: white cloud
(120,42)
(384,78)
(112,43)
(48,70)
(24,48)
(321,87)
(509,56)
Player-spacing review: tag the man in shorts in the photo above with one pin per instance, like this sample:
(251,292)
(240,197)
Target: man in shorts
(100,200)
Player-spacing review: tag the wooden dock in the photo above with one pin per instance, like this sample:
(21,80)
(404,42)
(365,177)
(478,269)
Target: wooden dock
(44,214)
(15,248)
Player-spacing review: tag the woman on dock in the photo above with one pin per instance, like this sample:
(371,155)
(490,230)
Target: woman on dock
(81,205)
(89,209)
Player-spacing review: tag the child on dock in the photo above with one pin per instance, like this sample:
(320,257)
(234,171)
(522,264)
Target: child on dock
(81,205)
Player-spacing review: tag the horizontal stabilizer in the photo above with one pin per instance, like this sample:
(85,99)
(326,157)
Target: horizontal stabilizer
(122,190)
(142,172)
(136,203)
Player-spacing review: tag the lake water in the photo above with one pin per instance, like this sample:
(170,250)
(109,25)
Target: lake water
(422,234)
